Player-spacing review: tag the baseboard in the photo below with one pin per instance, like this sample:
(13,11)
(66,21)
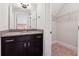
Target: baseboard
(65,45)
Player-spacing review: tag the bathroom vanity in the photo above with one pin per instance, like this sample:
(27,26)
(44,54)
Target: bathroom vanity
(22,43)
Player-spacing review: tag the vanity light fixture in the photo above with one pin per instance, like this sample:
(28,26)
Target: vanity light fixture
(24,5)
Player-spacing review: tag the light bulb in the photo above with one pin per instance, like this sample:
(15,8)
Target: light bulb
(29,7)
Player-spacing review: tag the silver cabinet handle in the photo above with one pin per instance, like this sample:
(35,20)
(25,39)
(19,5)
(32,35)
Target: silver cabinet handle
(28,44)
(24,44)
(9,40)
(38,36)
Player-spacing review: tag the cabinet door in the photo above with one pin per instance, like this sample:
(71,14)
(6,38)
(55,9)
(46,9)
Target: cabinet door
(20,49)
(7,46)
(35,49)
(14,49)
(35,46)
(7,49)
(10,47)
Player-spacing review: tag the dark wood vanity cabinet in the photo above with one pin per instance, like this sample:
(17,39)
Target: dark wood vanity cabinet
(22,45)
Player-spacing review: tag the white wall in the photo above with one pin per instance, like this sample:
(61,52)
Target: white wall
(40,16)
(56,8)
(12,18)
(34,19)
(41,20)
(53,29)
(3,16)
(48,30)
(67,28)
(3,19)
(44,22)
(66,22)
(68,8)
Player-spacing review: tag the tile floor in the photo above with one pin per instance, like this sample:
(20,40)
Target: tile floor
(59,50)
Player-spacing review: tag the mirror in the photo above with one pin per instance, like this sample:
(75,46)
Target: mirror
(22,18)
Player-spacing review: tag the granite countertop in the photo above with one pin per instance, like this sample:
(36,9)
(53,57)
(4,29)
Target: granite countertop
(14,32)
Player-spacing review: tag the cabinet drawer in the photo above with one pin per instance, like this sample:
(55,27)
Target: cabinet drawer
(24,38)
(7,39)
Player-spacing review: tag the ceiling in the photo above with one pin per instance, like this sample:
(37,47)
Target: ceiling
(56,8)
